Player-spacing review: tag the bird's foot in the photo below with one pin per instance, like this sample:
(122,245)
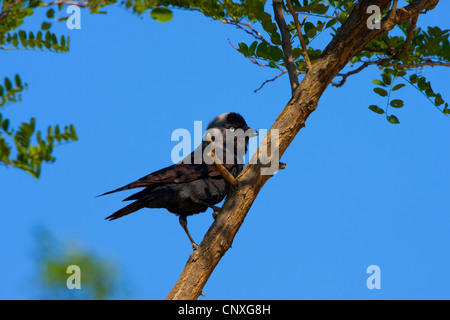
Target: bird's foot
(194,246)
(215,215)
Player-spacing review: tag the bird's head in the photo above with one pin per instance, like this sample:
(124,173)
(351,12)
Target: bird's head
(233,131)
(231,121)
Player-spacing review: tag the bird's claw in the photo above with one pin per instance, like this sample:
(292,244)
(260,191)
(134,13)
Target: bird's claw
(215,214)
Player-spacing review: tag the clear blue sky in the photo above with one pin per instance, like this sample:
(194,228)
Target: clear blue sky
(357,191)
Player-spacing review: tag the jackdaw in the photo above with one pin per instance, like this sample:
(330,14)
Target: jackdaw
(194,184)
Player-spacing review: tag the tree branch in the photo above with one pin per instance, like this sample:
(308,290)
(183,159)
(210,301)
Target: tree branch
(81,4)
(300,34)
(286,44)
(351,37)
(269,80)
(7,7)
(219,166)
(355,71)
(253,60)
(429,63)
(247,27)
(409,38)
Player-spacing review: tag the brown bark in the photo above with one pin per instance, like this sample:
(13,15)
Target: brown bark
(286,44)
(351,38)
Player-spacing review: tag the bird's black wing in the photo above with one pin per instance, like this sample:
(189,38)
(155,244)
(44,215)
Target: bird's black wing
(178,173)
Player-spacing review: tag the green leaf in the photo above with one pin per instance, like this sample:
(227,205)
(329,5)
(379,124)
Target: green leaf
(17,80)
(8,84)
(393,119)
(45,25)
(269,26)
(22,35)
(387,78)
(161,14)
(399,86)
(296,53)
(276,39)
(430,93)
(381,92)
(446,110)
(261,51)
(252,48)
(320,9)
(5,124)
(397,103)
(73,133)
(378,82)
(310,30)
(376,109)
(422,84)
(50,13)
(400,73)
(330,23)
(439,100)
(243,48)
(274,53)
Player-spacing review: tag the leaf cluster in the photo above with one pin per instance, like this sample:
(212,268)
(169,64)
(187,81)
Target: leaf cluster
(31,148)
(24,147)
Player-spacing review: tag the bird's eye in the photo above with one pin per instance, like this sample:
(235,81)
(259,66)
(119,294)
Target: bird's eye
(232,129)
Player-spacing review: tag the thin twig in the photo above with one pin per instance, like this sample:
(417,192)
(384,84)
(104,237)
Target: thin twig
(357,70)
(409,37)
(252,59)
(300,34)
(392,15)
(424,64)
(429,63)
(81,4)
(219,166)
(270,80)
(243,26)
(9,6)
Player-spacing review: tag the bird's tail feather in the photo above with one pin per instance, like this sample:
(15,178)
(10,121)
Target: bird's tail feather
(135,206)
(127,187)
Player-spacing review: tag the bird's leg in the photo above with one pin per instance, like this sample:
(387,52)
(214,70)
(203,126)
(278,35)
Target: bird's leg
(215,208)
(183,223)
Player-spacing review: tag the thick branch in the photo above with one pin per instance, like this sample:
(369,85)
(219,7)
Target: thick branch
(353,34)
(286,44)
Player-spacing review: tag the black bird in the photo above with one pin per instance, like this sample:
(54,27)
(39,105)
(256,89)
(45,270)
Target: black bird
(194,184)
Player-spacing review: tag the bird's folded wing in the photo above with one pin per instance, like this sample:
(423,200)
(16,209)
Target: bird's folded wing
(178,173)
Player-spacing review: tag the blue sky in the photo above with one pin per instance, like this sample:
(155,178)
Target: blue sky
(357,191)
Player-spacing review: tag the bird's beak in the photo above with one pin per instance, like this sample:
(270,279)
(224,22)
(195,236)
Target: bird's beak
(251,132)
